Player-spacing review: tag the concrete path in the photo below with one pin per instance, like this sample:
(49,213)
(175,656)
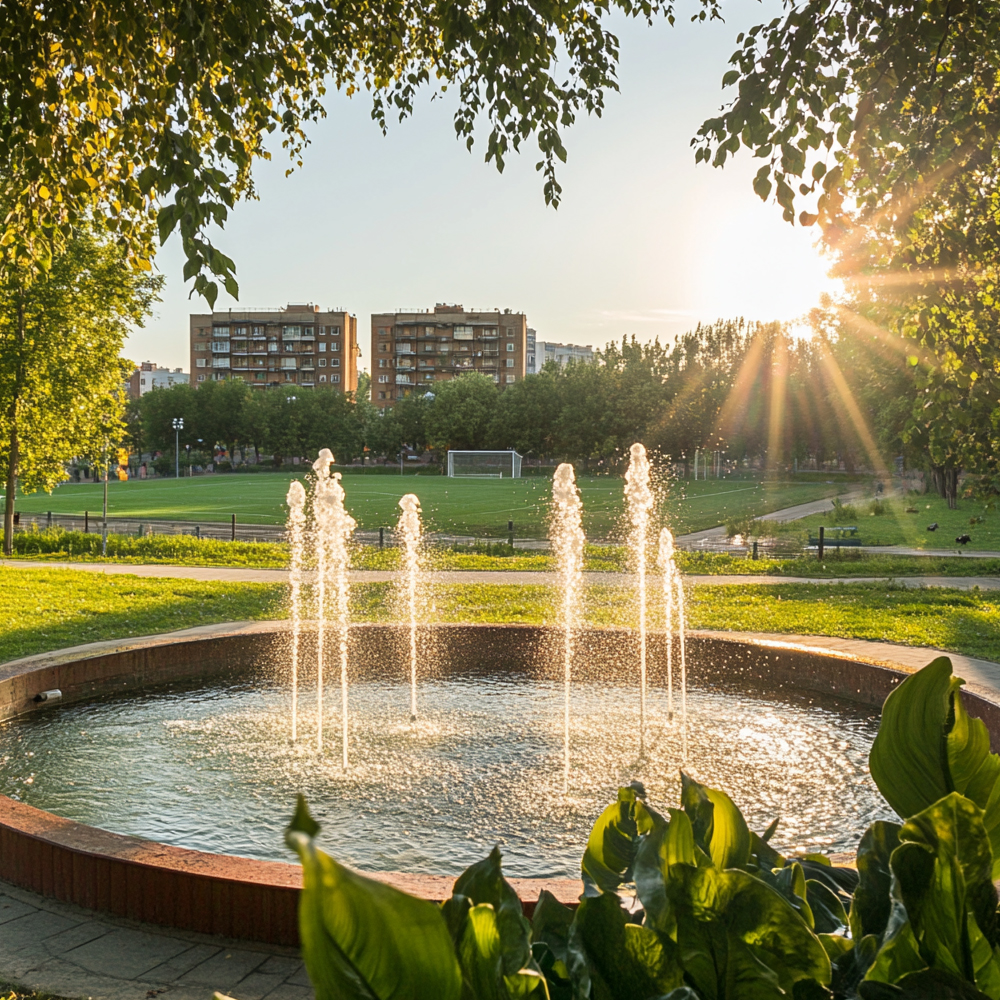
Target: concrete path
(508,577)
(778,516)
(66,951)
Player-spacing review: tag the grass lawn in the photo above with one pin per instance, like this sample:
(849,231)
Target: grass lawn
(479,507)
(894,526)
(51,609)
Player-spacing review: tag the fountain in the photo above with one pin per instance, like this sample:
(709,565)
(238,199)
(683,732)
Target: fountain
(198,726)
(639,498)
(410,531)
(296,543)
(567,540)
(673,600)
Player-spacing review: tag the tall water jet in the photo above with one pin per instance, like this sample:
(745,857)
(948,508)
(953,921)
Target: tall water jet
(640,506)
(321,547)
(410,531)
(296,540)
(568,540)
(673,607)
(342,526)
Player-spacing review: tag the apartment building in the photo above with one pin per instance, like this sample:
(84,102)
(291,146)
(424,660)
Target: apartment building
(562,354)
(149,376)
(411,351)
(299,345)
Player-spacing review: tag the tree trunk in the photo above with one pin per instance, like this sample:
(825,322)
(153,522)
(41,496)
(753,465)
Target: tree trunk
(945,480)
(15,443)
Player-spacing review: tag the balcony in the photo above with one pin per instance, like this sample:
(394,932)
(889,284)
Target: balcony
(404,380)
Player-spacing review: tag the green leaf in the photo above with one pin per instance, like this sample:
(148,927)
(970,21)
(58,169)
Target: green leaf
(871,904)
(739,937)
(623,961)
(827,909)
(718,826)
(481,955)
(669,843)
(930,984)
(363,940)
(928,746)
(483,882)
(611,846)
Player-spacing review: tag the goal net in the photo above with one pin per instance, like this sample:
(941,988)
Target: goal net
(484,464)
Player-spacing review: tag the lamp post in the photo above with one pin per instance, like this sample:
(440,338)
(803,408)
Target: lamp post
(178,427)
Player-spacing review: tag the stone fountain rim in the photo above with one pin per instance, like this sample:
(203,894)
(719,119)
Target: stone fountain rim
(257,900)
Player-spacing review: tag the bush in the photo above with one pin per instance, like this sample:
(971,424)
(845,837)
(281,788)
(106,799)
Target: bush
(844,513)
(722,914)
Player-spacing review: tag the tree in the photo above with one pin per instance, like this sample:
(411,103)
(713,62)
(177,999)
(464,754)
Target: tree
(881,122)
(460,415)
(124,111)
(61,380)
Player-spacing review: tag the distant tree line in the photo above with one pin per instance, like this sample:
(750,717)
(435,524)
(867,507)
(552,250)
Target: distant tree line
(753,391)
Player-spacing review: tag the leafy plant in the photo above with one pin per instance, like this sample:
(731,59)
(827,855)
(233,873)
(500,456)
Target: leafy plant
(691,904)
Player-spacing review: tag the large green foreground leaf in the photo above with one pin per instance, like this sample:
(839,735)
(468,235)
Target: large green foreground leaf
(362,940)
(613,841)
(944,904)
(718,825)
(928,746)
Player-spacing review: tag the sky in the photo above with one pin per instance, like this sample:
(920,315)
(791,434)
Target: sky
(644,243)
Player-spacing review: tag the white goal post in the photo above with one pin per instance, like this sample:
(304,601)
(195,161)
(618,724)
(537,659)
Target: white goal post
(484,464)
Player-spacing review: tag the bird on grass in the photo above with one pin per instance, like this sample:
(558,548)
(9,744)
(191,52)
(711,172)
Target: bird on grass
(963,539)
(932,527)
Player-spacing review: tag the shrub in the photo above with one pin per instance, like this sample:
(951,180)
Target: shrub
(723,915)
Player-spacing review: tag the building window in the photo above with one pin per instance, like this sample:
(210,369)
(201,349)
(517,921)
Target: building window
(511,378)
(201,362)
(201,347)
(381,362)
(334,345)
(383,347)
(334,378)
(383,331)
(510,331)
(201,378)
(510,362)
(322,378)
(334,362)
(334,331)
(272,347)
(322,346)
(322,362)
(510,346)
(381,395)
(383,378)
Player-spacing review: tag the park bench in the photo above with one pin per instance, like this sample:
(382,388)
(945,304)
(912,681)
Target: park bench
(841,534)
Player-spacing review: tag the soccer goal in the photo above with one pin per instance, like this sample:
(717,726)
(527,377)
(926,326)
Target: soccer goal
(484,464)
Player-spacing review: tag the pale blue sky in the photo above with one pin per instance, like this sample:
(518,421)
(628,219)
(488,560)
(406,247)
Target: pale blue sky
(644,242)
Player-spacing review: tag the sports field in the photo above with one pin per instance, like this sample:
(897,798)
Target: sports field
(480,507)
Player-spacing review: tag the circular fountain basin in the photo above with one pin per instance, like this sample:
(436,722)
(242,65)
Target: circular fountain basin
(166,768)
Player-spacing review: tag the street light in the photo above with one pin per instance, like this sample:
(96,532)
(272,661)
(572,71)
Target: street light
(178,427)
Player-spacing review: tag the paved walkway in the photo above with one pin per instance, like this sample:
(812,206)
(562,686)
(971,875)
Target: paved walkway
(61,949)
(508,577)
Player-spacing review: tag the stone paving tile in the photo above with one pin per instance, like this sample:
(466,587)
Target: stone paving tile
(256,986)
(11,909)
(75,936)
(226,969)
(172,970)
(62,978)
(280,965)
(300,978)
(286,991)
(125,953)
(33,928)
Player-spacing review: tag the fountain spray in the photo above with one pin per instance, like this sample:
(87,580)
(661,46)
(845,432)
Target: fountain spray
(568,540)
(410,530)
(640,506)
(321,546)
(673,599)
(296,529)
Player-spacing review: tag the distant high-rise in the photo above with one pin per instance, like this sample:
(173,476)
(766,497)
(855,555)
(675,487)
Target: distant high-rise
(562,354)
(266,348)
(411,351)
(149,376)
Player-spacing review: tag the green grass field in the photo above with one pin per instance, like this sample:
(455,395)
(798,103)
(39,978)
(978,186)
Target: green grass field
(51,609)
(480,507)
(895,526)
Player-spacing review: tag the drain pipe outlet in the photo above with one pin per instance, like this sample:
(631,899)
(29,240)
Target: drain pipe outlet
(54,695)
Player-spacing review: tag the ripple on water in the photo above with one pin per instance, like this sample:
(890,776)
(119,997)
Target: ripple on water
(213,769)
